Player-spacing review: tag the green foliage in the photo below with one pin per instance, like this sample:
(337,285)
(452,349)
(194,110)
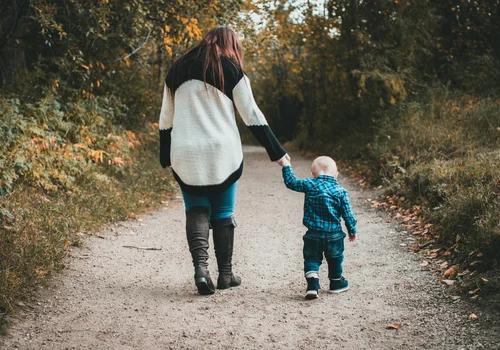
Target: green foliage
(37,228)
(442,153)
(52,146)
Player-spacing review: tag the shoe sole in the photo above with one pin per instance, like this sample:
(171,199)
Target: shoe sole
(337,291)
(203,287)
(311,295)
(222,287)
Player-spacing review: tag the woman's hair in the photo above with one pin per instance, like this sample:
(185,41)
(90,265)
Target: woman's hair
(217,42)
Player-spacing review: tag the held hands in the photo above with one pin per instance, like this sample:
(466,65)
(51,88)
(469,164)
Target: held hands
(284,161)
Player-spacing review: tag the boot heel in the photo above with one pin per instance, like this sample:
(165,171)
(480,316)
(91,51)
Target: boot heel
(203,282)
(204,287)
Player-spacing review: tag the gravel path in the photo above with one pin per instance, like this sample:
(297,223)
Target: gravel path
(112,297)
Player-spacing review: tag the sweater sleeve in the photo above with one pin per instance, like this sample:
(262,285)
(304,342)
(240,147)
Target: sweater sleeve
(255,120)
(166,123)
(292,182)
(347,214)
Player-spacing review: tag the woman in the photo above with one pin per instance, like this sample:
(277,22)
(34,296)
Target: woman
(199,140)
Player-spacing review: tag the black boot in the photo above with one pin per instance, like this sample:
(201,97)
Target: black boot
(197,232)
(223,231)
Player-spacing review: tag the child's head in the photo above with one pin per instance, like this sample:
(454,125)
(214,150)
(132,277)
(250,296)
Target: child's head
(324,166)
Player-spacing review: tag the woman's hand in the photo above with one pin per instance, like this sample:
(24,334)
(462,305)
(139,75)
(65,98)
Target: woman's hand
(284,161)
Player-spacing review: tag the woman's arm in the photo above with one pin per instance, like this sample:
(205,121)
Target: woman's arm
(255,120)
(166,123)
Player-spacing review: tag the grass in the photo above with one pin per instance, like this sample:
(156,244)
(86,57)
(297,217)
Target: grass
(40,228)
(443,153)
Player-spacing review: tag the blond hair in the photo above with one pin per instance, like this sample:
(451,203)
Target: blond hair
(324,166)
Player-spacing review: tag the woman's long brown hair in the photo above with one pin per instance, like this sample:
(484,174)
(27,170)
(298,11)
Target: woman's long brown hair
(217,42)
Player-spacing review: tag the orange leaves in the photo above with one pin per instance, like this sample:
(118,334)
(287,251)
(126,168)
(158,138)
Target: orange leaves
(395,325)
(96,155)
(451,272)
(117,161)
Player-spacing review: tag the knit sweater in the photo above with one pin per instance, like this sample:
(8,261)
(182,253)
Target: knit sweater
(199,138)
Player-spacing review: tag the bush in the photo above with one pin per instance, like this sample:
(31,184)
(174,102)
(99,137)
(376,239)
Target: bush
(67,170)
(441,151)
(51,146)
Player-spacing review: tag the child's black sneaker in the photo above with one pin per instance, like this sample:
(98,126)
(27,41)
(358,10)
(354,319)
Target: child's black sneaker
(338,285)
(312,288)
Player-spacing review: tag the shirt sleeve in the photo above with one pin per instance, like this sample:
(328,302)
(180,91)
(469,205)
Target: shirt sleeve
(255,120)
(292,182)
(166,123)
(347,214)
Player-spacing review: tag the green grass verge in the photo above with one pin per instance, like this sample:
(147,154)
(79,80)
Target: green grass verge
(40,228)
(443,153)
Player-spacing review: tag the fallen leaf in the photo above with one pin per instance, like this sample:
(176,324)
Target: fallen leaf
(41,272)
(450,272)
(472,316)
(395,325)
(424,263)
(448,282)
(455,297)
(474,291)
(463,273)
(443,265)
(132,216)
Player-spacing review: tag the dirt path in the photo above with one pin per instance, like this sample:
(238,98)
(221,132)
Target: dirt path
(111,297)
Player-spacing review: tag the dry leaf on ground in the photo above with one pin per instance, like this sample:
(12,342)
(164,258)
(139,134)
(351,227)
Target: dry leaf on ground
(448,282)
(395,325)
(450,272)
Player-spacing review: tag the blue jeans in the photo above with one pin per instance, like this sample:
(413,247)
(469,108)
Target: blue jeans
(221,204)
(331,245)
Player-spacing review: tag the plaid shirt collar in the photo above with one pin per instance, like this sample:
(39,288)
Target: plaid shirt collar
(328,178)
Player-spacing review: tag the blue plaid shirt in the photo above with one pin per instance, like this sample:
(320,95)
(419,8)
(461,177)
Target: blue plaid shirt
(326,202)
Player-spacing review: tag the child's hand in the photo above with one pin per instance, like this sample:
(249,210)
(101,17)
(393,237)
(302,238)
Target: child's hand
(284,161)
(352,238)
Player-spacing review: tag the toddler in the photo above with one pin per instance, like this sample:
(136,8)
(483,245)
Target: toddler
(326,203)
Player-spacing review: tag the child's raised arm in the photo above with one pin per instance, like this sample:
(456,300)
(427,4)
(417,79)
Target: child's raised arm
(292,182)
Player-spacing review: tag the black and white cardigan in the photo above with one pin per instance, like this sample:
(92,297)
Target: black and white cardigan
(198,133)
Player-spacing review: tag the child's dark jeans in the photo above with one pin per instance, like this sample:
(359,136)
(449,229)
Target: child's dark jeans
(331,245)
